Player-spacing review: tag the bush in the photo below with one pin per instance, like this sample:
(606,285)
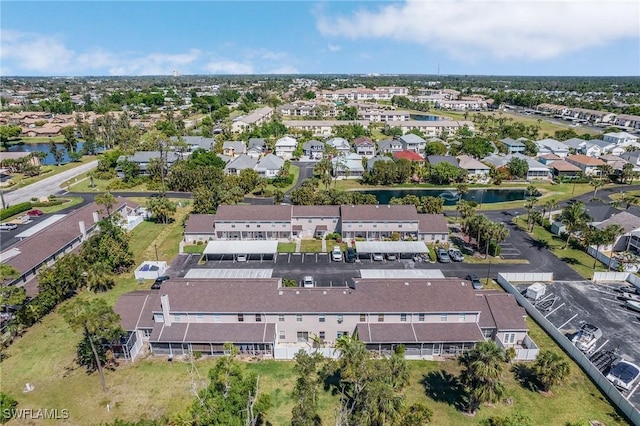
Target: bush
(7,404)
(104,175)
(49,203)
(432,253)
(494,249)
(289,282)
(14,210)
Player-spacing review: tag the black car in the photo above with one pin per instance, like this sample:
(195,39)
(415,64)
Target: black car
(475,281)
(158,282)
(350,255)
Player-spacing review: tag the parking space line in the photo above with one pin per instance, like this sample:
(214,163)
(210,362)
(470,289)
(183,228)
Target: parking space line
(625,312)
(603,291)
(554,310)
(612,300)
(289,260)
(601,346)
(632,391)
(544,298)
(567,322)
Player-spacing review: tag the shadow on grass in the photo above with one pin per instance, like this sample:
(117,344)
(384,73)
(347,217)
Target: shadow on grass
(538,244)
(571,260)
(526,377)
(442,386)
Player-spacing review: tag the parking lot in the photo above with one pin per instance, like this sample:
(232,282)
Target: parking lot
(570,304)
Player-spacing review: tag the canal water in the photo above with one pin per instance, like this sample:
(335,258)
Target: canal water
(450,196)
(44,147)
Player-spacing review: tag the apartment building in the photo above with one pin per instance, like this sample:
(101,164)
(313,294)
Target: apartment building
(433,318)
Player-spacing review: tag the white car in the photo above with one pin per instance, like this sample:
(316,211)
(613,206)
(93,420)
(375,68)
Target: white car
(378,257)
(241,258)
(8,226)
(308,281)
(336,254)
(624,375)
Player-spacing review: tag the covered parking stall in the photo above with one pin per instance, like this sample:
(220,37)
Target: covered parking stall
(402,249)
(229,250)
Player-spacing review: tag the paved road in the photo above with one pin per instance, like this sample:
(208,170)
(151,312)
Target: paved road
(46,187)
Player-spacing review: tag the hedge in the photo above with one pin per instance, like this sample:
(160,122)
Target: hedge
(14,210)
(49,203)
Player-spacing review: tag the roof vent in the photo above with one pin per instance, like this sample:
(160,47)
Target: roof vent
(297,291)
(281,292)
(344,292)
(324,292)
(406,283)
(428,282)
(463,283)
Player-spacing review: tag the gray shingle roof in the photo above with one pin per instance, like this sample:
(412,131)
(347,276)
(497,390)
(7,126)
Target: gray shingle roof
(242,162)
(251,213)
(368,213)
(270,162)
(199,223)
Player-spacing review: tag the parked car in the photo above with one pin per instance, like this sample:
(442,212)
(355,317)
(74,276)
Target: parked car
(336,254)
(308,281)
(158,282)
(35,212)
(391,256)
(624,375)
(241,258)
(8,226)
(456,255)
(475,281)
(443,256)
(350,255)
(378,257)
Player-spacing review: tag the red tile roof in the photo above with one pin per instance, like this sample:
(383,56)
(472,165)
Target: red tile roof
(408,155)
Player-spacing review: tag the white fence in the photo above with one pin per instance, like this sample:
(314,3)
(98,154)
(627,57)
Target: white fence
(629,277)
(527,276)
(531,351)
(601,381)
(285,352)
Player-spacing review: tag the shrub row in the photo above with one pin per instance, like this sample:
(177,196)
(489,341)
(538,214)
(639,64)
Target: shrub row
(14,210)
(49,203)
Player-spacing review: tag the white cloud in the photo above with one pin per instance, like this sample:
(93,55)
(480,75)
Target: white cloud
(533,30)
(34,52)
(286,69)
(229,67)
(157,63)
(333,47)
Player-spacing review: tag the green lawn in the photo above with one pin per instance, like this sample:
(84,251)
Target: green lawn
(20,180)
(311,246)
(286,247)
(578,260)
(82,185)
(196,249)
(36,139)
(70,202)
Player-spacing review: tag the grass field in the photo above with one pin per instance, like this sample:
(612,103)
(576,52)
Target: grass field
(36,139)
(286,247)
(21,180)
(194,249)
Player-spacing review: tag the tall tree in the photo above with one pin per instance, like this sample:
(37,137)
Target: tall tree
(57,154)
(575,218)
(610,235)
(481,376)
(107,200)
(97,321)
(628,173)
(305,392)
(162,208)
(597,183)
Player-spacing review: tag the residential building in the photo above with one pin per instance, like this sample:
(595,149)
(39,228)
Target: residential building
(240,222)
(142,159)
(552,146)
(384,116)
(620,138)
(255,118)
(371,161)
(582,146)
(462,105)
(315,221)
(475,169)
(347,166)
(408,155)
(340,144)
(379,221)
(536,170)
(240,163)
(628,121)
(616,162)
(630,224)
(562,168)
(433,319)
(234,148)
(608,147)
(436,128)
(199,227)
(365,147)
(434,160)
(269,166)
(548,159)
(195,142)
(313,149)
(590,166)
(411,142)
(285,146)
(513,146)
(389,146)
(322,128)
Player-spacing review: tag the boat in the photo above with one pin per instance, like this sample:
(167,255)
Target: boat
(634,306)
(628,289)
(624,375)
(586,338)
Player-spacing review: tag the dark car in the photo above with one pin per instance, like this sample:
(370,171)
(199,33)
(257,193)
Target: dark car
(350,255)
(158,282)
(35,212)
(475,281)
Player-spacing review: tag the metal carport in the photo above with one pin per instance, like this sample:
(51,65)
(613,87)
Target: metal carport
(394,247)
(219,249)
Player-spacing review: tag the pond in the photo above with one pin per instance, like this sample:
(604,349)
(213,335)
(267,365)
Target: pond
(425,117)
(450,196)
(43,147)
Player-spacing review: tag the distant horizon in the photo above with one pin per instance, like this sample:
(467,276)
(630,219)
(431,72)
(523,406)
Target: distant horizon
(573,38)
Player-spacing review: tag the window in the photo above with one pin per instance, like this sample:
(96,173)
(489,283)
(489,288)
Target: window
(321,318)
(158,317)
(443,317)
(281,335)
(421,317)
(258,318)
(233,226)
(342,333)
(433,237)
(340,317)
(487,333)
(299,318)
(309,221)
(303,336)
(240,317)
(375,226)
(363,317)
(400,226)
(199,318)
(380,317)
(177,318)
(257,226)
(509,338)
(281,317)
(403,317)
(321,335)
(461,317)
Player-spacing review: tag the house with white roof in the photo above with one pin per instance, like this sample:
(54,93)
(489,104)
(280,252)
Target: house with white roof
(536,171)
(348,166)
(234,148)
(269,166)
(620,138)
(255,118)
(340,144)
(313,149)
(411,142)
(552,146)
(582,146)
(285,146)
(608,147)
(475,169)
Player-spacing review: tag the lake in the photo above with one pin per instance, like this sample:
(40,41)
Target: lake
(450,196)
(43,147)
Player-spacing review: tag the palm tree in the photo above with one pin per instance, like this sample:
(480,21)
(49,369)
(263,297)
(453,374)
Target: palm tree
(482,373)
(596,183)
(630,200)
(536,217)
(627,173)
(594,237)
(550,369)
(529,205)
(465,209)
(610,236)
(461,189)
(606,170)
(549,205)
(575,218)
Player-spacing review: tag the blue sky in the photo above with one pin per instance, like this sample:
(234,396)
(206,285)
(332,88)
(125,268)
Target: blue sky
(499,37)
